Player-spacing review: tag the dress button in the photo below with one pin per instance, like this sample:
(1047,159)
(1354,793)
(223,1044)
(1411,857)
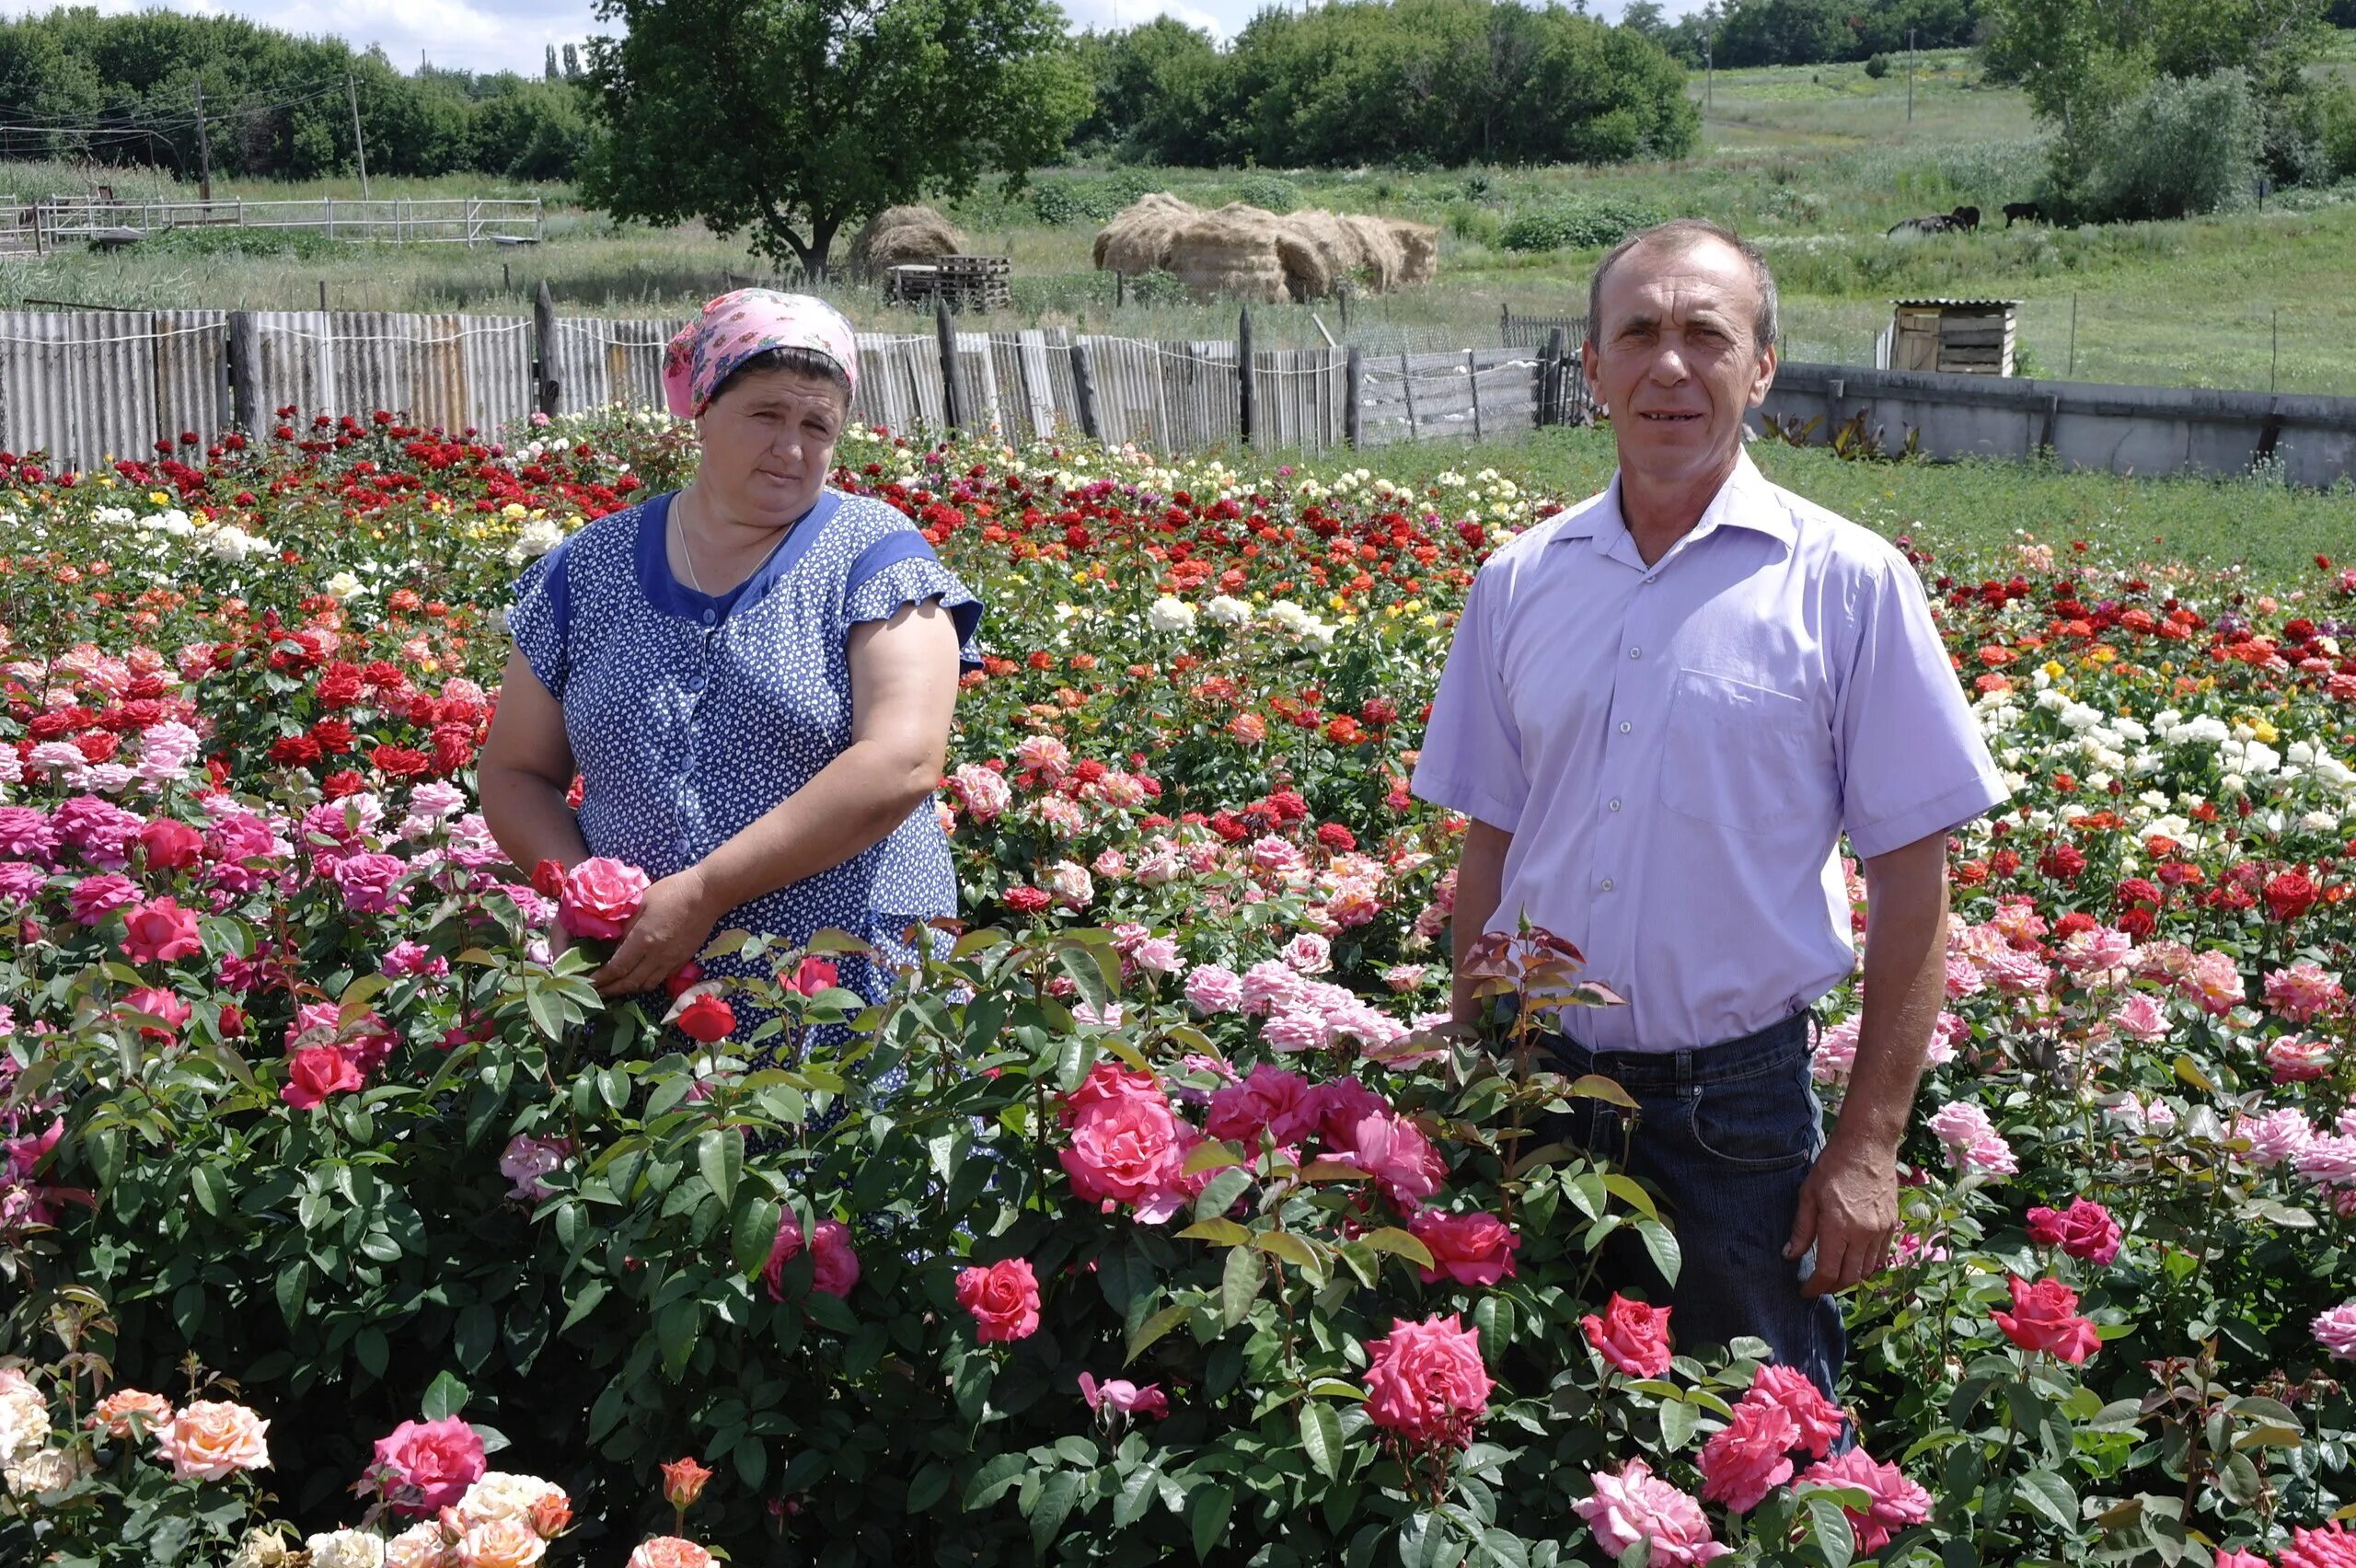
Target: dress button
(709,618)
(1624,726)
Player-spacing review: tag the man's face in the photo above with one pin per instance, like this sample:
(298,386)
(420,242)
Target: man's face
(1675,358)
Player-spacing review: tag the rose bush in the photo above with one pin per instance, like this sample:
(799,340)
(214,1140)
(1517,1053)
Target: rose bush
(1190,1233)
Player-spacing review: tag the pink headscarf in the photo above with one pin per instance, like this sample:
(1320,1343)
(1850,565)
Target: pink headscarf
(744,322)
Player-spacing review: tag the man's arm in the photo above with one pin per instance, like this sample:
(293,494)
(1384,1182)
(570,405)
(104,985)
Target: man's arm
(1848,1208)
(1479,878)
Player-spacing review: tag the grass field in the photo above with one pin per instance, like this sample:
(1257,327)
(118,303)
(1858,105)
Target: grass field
(1816,162)
(1967,511)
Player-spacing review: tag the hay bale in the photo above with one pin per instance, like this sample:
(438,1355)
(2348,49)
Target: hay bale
(897,237)
(1136,240)
(1418,251)
(1231,252)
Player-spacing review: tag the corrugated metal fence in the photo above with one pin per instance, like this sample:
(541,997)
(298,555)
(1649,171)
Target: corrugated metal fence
(88,387)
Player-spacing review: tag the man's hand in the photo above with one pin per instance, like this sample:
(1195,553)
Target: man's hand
(672,927)
(1848,1212)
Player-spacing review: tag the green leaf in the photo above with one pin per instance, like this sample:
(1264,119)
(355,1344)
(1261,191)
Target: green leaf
(477,1333)
(1054,1507)
(1211,1154)
(1220,1195)
(294,1288)
(211,1189)
(1208,1508)
(1218,1232)
(1290,1248)
(1833,1537)
(1676,1423)
(754,1234)
(584,1301)
(1153,1328)
(1321,1438)
(930,1486)
(1631,1192)
(1658,1241)
(2050,1496)
(1240,1283)
(444,1397)
(1399,1243)
(991,1482)
(720,1155)
(1136,1496)
(1073,1062)
(1087,970)
(1595,1086)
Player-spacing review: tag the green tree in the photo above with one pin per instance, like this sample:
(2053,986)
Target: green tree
(794,118)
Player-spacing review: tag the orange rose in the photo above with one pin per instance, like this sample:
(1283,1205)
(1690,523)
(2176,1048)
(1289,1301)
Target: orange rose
(669,1551)
(115,1413)
(213,1439)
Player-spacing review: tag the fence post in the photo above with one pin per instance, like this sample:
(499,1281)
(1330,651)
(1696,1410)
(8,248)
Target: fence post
(1407,385)
(1505,325)
(1472,383)
(1352,394)
(952,378)
(1083,385)
(1550,377)
(1247,406)
(544,387)
(245,371)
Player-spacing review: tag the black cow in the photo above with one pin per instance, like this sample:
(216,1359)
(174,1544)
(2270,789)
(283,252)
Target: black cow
(2023,212)
(1966,218)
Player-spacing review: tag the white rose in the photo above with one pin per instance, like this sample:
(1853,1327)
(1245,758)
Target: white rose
(24,1416)
(343,585)
(45,1469)
(346,1549)
(1228,610)
(535,539)
(1171,615)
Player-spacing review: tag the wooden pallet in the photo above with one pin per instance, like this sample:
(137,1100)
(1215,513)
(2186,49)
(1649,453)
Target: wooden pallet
(967,283)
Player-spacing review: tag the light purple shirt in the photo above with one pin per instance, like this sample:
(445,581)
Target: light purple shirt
(1677,749)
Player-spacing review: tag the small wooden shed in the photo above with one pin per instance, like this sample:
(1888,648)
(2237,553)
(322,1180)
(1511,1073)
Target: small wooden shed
(1966,337)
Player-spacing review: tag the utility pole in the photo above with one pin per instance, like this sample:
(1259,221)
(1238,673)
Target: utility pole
(1709,77)
(203,150)
(1910,75)
(352,94)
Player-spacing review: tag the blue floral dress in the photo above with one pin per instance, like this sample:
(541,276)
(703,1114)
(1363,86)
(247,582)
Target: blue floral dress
(691,715)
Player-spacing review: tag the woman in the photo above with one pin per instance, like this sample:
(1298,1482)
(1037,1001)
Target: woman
(753,675)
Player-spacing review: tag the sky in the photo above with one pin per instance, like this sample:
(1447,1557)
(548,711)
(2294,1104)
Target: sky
(514,35)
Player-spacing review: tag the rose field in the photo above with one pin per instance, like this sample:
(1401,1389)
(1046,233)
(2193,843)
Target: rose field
(342,1225)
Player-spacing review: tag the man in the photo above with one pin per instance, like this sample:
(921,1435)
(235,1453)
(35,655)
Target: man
(1661,711)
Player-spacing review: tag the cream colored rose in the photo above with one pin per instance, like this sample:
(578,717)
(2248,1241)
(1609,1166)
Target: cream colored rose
(24,1416)
(264,1547)
(669,1551)
(498,1495)
(419,1546)
(347,1548)
(499,1543)
(40,1471)
(213,1439)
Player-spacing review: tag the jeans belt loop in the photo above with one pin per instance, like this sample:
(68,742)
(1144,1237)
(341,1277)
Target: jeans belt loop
(1685,1073)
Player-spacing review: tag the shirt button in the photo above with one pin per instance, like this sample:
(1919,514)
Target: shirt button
(709,618)
(1636,652)
(1615,805)
(1624,726)
(1607,884)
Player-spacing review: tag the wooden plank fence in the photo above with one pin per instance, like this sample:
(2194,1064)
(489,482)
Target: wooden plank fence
(88,387)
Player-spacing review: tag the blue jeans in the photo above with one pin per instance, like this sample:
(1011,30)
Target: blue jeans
(1725,1134)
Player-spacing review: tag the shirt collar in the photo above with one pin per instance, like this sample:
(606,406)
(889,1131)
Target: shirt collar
(1745,500)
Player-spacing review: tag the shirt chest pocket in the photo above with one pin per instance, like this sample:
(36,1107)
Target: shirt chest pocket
(1741,755)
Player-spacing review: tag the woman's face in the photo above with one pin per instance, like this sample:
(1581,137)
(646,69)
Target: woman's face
(768,444)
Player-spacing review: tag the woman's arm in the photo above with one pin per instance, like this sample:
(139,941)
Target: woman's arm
(523,772)
(903,689)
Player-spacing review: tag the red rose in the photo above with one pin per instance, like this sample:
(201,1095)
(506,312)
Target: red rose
(2062,862)
(2085,1230)
(1471,1249)
(681,978)
(1026,900)
(1003,1298)
(548,878)
(316,1071)
(601,897)
(1426,1381)
(2045,1317)
(1631,1335)
(707,1019)
(812,976)
(2289,895)
(169,846)
(159,930)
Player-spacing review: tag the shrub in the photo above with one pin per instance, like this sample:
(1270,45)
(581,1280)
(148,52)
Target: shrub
(1878,67)
(1271,193)
(1586,223)
(2178,148)
(1055,202)
(2339,132)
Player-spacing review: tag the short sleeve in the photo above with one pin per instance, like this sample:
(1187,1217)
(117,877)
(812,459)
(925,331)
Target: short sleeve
(1471,760)
(900,569)
(1911,759)
(539,618)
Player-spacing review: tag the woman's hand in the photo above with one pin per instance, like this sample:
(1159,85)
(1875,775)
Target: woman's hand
(672,927)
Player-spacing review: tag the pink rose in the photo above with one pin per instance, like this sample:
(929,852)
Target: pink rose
(834,1264)
(314,1072)
(1271,1100)
(1394,1151)
(1471,1249)
(1426,1381)
(371,883)
(212,1440)
(1003,1298)
(1108,1081)
(601,897)
(1818,1419)
(812,976)
(1123,1397)
(1631,1335)
(2086,1230)
(669,1551)
(159,931)
(526,1160)
(160,1004)
(1750,1455)
(1636,1506)
(1125,1150)
(428,1465)
(2045,1317)
(1896,1502)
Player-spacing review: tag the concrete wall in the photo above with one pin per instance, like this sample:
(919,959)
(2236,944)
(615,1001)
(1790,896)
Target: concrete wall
(2128,430)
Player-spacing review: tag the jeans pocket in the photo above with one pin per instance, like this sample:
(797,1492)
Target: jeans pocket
(1769,1121)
